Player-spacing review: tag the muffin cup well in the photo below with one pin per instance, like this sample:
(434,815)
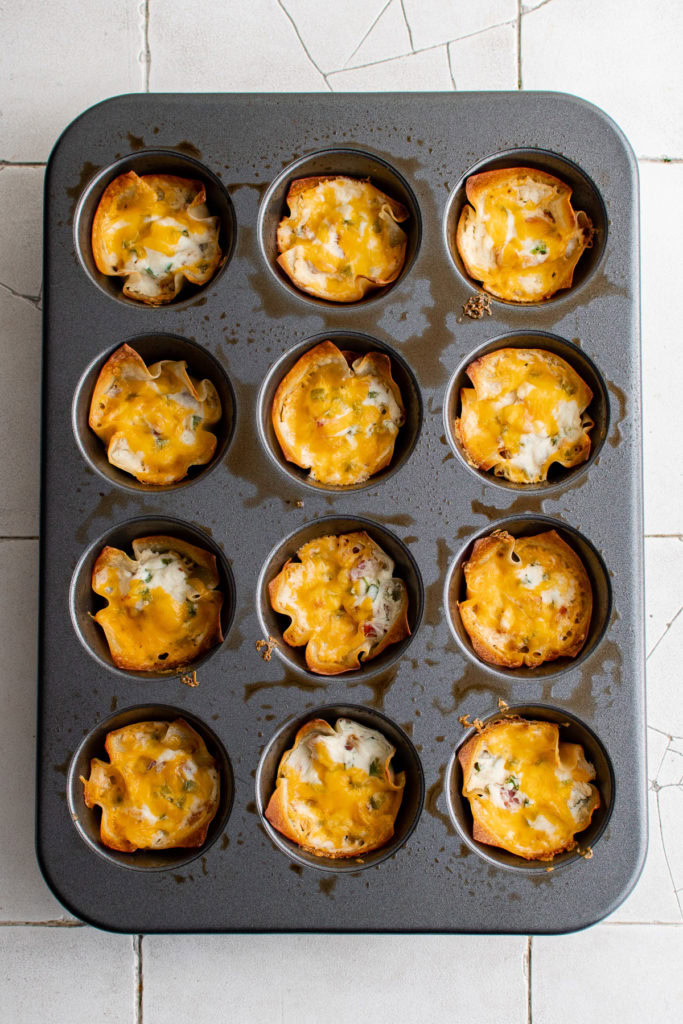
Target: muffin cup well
(598,410)
(87,819)
(84,602)
(153,348)
(585,196)
(353,163)
(528,525)
(153,161)
(405,567)
(572,730)
(346,341)
(405,759)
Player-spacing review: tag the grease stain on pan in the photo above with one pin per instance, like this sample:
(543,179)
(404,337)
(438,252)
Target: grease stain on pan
(470,680)
(379,686)
(607,659)
(290,682)
(616,436)
(431,801)
(434,591)
(136,142)
(327,885)
(74,192)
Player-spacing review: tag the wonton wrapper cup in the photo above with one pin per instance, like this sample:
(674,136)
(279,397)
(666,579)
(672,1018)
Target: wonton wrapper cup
(405,759)
(572,730)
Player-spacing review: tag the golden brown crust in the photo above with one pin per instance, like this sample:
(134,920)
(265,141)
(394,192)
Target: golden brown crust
(204,570)
(561,635)
(277,809)
(299,632)
(375,364)
(471,232)
(182,194)
(125,365)
(325,284)
(480,833)
(105,776)
(475,425)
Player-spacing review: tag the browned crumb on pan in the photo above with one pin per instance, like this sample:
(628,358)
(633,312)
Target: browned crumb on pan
(503,704)
(299,503)
(265,647)
(477,305)
(478,725)
(587,854)
(465,721)
(190,679)
(550,868)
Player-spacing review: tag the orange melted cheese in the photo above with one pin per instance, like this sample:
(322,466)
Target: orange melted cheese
(154,421)
(342,599)
(526,607)
(342,230)
(524,413)
(161,614)
(160,789)
(341,795)
(529,791)
(156,229)
(525,238)
(341,421)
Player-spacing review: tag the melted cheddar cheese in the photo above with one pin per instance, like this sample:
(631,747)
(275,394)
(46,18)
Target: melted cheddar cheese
(159,789)
(528,599)
(338,420)
(341,237)
(525,412)
(343,601)
(521,237)
(163,607)
(156,232)
(153,419)
(528,792)
(336,791)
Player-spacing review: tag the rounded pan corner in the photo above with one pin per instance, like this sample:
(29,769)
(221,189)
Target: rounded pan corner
(69,906)
(607,121)
(78,120)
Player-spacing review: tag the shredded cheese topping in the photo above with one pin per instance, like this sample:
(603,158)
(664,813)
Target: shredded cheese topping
(342,598)
(154,421)
(159,790)
(528,599)
(338,232)
(527,790)
(526,411)
(339,420)
(339,789)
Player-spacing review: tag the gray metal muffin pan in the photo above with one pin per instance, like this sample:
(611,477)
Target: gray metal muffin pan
(250,506)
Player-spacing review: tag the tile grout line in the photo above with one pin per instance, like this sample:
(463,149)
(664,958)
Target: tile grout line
(146,51)
(137,960)
(56,923)
(529,947)
(519,44)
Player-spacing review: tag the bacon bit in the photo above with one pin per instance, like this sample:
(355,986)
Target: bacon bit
(265,647)
(190,679)
(369,629)
(465,721)
(477,305)
(503,704)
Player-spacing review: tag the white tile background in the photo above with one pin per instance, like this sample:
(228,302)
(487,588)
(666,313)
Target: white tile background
(59,58)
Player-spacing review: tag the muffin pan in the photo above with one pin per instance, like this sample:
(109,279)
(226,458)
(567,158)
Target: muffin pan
(244,329)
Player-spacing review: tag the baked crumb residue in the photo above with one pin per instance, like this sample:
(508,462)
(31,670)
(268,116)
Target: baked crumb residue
(190,679)
(476,306)
(266,647)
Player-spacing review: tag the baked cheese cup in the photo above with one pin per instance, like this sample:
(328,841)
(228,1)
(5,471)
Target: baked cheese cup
(152,597)
(150,787)
(154,228)
(340,595)
(329,411)
(339,788)
(531,788)
(154,414)
(528,226)
(526,411)
(528,596)
(338,415)
(339,227)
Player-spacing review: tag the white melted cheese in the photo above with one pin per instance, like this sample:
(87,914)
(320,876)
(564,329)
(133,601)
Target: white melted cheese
(531,575)
(171,577)
(353,745)
(534,451)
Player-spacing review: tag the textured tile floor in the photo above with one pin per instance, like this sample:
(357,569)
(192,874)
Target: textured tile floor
(58,59)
